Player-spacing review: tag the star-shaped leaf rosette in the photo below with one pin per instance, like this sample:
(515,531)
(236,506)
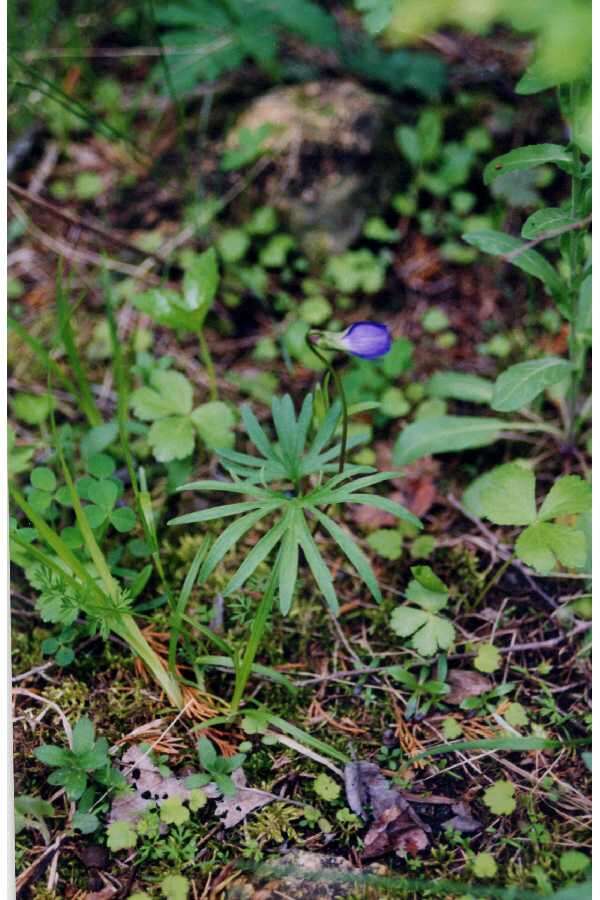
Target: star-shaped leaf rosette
(296,475)
(291,482)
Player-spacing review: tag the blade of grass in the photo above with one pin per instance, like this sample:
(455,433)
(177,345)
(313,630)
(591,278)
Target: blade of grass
(43,356)
(184,595)
(515,745)
(141,495)
(258,627)
(226,662)
(84,393)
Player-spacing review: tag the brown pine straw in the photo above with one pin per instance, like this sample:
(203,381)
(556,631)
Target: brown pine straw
(198,705)
(316,714)
(408,741)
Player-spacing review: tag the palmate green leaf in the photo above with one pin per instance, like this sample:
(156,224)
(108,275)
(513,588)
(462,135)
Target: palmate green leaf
(171,438)
(527,158)
(170,393)
(214,422)
(499,244)
(387,542)
(520,384)
(428,631)
(445,434)
(542,544)
(317,566)
(508,496)
(500,798)
(426,589)
(567,496)
(352,551)
(228,538)
(259,552)
(186,310)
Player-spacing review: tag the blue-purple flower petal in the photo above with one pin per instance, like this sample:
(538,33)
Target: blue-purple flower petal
(368,340)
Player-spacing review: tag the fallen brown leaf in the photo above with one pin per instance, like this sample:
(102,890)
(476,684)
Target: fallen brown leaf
(398,816)
(465,684)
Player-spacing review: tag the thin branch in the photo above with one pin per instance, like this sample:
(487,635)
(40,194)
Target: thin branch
(554,232)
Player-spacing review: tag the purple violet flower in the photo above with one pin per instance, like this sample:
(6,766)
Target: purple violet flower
(368,340)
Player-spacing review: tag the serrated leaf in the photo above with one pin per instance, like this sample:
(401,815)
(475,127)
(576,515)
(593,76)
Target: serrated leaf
(500,798)
(488,658)
(83,736)
(484,865)
(516,715)
(542,544)
(170,394)
(215,423)
(451,728)
(436,634)
(508,496)
(74,782)
(445,434)
(175,887)
(120,836)
(527,158)
(52,756)
(429,632)
(198,799)
(186,310)
(326,787)
(387,542)
(173,812)
(567,496)
(405,620)
(171,438)
(574,861)
(520,384)
(426,589)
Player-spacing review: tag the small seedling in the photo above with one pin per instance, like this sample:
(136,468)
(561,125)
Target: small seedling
(218,768)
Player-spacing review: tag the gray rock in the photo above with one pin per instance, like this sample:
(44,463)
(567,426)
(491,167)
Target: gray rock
(326,141)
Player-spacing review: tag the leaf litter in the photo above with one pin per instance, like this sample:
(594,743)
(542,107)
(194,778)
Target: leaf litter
(398,817)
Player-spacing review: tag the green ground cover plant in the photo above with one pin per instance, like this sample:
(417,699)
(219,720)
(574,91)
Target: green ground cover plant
(299,449)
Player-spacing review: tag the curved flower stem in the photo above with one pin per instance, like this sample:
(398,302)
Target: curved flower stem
(342,395)
(209,365)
